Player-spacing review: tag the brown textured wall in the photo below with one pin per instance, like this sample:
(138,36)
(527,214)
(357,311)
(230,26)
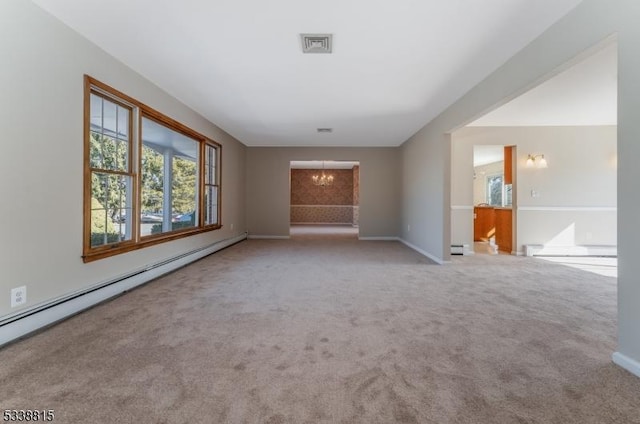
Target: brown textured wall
(313,204)
(304,192)
(341,214)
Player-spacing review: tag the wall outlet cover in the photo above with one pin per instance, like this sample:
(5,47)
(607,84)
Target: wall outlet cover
(18,296)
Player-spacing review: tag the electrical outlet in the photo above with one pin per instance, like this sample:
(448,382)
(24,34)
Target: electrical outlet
(18,296)
(408,227)
(232,227)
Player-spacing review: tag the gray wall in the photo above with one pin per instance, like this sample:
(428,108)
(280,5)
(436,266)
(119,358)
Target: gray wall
(426,155)
(41,165)
(268,190)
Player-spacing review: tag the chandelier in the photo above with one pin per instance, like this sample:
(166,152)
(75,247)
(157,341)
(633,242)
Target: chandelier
(322,180)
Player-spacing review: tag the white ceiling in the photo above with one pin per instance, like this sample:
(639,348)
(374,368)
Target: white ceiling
(395,64)
(584,94)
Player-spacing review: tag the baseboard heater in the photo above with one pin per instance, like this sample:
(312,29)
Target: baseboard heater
(39,316)
(461,250)
(584,250)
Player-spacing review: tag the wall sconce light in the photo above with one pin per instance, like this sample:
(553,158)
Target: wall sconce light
(532,160)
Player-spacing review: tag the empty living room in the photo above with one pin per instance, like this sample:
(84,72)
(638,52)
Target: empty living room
(263,212)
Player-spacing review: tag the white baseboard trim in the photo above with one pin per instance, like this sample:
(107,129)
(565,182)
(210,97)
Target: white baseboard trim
(585,250)
(423,252)
(265,237)
(569,208)
(324,206)
(294,223)
(25,322)
(627,363)
(381,238)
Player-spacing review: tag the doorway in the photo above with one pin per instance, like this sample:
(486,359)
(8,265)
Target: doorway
(493,188)
(565,133)
(324,199)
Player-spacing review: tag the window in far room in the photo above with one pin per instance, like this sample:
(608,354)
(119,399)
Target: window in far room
(495,189)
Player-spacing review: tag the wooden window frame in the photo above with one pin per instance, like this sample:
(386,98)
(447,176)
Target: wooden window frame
(138,110)
(217,184)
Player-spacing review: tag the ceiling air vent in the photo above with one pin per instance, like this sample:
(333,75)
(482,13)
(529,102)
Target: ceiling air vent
(316,43)
(325,130)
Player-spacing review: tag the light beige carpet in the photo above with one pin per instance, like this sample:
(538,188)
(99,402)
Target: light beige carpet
(333,330)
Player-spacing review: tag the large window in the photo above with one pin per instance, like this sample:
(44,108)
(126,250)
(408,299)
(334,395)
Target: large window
(148,179)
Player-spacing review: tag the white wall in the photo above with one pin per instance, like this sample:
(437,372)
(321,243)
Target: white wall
(576,195)
(41,164)
(426,155)
(268,189)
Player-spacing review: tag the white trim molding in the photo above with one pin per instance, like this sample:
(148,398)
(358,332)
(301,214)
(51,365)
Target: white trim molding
(461,207)
(568,208)
(423,252)
(24,322)
(321,223)
(323,206)
(406,243)
(627,363)
(329,224)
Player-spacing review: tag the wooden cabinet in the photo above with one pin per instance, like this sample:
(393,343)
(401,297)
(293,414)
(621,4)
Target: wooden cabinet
(483,223)
(503,222)
(508,165)
(493,222)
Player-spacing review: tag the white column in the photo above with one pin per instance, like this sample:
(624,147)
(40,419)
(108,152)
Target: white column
(628,354)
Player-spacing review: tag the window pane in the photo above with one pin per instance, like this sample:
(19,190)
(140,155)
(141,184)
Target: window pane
(95,112)
(494,190)
(95,150)
(183,196)
(109,153)
(109,118)
(210,205)
(109,138)
(110,206)
(123,123)
(169,174)
(210,165)
(121,155)
(152,196)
